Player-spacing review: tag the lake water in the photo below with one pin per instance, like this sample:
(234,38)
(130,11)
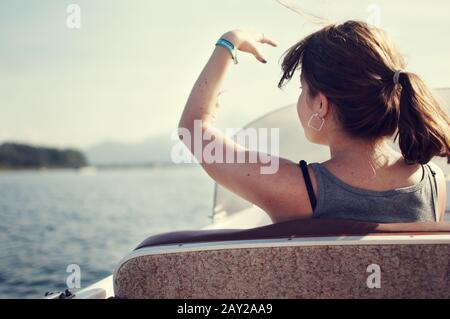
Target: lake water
(51,219)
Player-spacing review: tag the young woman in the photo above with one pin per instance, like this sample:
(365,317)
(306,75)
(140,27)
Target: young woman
(355,96)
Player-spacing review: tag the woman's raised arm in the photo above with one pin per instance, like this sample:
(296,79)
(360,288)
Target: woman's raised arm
(263,180)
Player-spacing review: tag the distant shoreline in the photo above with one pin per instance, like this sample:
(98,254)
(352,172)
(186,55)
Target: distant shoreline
(99,167)
(15,156)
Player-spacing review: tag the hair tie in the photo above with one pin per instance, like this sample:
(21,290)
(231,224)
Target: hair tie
(397,76)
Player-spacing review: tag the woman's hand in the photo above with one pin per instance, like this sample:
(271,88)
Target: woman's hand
(248,40)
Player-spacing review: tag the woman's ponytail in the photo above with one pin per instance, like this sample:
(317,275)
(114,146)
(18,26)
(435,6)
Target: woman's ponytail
(424,127)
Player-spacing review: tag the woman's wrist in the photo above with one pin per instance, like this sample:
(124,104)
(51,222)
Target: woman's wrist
(232,37)
(247,41)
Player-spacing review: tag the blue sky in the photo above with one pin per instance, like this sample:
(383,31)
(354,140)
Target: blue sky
(127,73)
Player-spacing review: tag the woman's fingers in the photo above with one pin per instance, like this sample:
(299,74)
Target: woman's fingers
(265,40)
(268,40)
(248,42)
(259,56)
(271,42)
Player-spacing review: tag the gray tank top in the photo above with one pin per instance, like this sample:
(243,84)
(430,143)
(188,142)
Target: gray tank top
(338,200)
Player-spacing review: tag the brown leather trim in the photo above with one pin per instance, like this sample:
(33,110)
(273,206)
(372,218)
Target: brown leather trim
(298,229)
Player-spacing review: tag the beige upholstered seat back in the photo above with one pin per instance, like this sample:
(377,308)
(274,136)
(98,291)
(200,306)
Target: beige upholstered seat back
(402,266)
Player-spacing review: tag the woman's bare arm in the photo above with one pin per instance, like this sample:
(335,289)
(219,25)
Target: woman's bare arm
(201,104)
(267,191)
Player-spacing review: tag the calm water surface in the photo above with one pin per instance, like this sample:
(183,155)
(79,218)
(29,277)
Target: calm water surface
(52,219)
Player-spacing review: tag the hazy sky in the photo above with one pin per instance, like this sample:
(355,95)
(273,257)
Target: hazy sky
(127,73)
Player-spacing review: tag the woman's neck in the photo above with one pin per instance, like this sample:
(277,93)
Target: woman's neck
(362,153)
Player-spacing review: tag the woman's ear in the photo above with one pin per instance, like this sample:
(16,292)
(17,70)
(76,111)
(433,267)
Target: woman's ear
(323,105)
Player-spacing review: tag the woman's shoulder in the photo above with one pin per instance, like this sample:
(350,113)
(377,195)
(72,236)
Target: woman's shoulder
(441,182)
(394,175)
(436,168)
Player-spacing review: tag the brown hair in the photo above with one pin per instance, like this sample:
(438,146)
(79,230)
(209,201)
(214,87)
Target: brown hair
(353,65)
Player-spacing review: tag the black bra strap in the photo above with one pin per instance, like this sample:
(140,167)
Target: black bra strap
(434,192)
(312,197)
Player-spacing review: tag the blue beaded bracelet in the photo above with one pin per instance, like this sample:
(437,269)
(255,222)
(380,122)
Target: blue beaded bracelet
(230,47)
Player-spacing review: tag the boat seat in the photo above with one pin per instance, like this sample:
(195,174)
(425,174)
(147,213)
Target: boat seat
(294,259)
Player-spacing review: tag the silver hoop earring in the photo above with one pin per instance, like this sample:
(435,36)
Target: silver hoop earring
(317,129)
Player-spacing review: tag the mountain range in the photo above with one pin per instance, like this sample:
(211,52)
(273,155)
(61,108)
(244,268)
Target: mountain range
(156,149)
